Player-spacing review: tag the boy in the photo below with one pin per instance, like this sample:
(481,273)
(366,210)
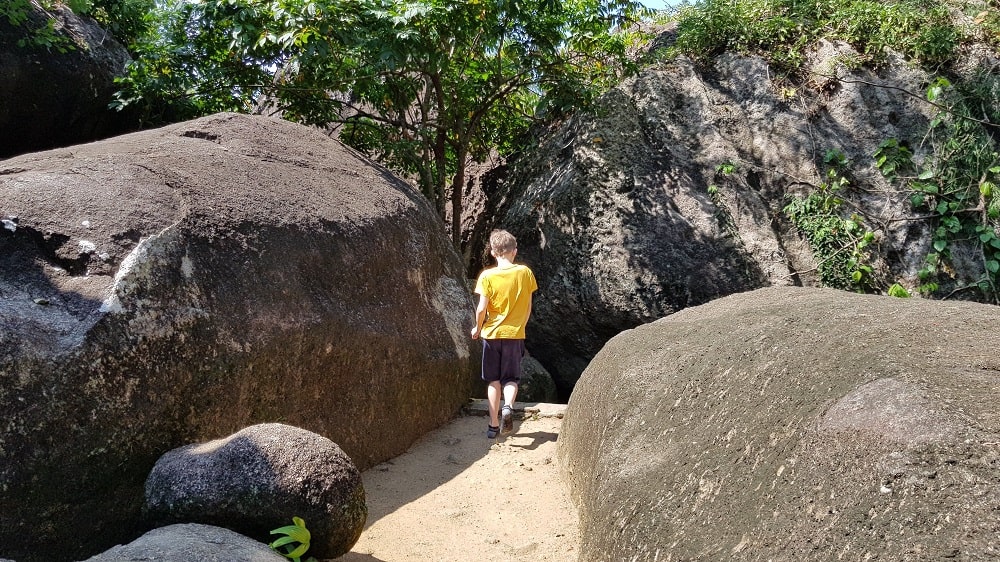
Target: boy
(501,315)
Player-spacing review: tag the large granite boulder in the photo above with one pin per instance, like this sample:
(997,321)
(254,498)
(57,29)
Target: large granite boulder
(176,285)
(191,541)
(671,194)
(791,424)
(58,72)
(256,480)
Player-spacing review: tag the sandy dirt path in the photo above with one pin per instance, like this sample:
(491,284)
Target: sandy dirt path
(457,496)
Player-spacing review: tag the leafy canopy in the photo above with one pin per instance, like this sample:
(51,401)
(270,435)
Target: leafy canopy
(428,86)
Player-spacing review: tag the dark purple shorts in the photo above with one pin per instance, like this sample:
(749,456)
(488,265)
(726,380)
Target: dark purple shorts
(502,360)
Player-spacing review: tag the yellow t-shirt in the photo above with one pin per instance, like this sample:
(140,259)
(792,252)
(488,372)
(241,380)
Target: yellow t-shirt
(508,292)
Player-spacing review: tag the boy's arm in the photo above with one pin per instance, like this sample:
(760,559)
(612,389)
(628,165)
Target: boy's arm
(480,316)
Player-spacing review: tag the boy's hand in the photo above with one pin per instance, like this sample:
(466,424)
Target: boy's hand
(475,332)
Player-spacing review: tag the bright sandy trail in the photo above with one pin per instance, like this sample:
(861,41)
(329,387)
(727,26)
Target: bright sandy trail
(455,496)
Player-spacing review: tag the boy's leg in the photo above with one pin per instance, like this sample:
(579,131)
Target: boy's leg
(491,374)
(509,394)
(493,401)
(510,369)
(510,376)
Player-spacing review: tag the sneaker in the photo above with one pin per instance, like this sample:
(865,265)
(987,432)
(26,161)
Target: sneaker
(507,419)
(492,431)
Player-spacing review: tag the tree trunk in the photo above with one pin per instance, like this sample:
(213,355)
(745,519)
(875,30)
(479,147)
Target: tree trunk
(457,184)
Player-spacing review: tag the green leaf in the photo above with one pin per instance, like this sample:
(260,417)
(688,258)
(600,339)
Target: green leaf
(282,542)
(993,266)
(80,6)
(898,291)
(937,88)
(286,530)
(986,188)
(940,245)
(929,288)
(296,533)
(952,223)
(298,552)
(926,175)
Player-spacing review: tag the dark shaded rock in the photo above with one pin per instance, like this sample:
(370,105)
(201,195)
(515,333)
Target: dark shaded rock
(487,198)
(256,480)
(536,383)
(199,279)
(791,424)
(191,541)
(53,96)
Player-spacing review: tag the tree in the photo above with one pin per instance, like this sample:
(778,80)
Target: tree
(427,86)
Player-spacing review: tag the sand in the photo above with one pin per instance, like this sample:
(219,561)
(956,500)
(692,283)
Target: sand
(457,496)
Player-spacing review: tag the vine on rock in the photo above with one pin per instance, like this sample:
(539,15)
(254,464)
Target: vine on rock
(841,244)
(957,184)
(41,34)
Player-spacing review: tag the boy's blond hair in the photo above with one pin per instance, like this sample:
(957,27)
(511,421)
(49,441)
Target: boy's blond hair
(502,243)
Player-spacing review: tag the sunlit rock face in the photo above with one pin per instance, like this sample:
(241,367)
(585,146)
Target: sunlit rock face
(671,192)
(791,423)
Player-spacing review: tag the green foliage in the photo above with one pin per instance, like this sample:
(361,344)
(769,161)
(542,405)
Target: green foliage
(891,157)
(295,543)
(425,86)
(127,20)
(189,64)
(15,11)
(80,6)
(957,183)
(781,30)
(37,33)
(46,37)
(898,291)
(745,26)
(841,244)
